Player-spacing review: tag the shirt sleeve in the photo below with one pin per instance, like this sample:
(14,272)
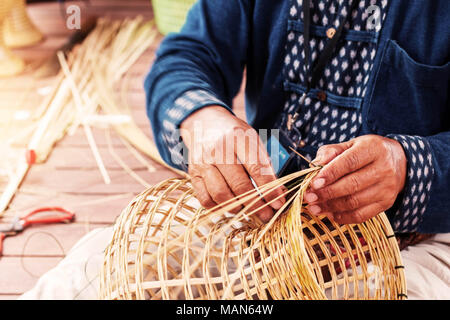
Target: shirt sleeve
(424,204)
(200,66)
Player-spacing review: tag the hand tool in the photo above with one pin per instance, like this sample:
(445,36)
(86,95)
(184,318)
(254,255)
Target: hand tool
(21,223)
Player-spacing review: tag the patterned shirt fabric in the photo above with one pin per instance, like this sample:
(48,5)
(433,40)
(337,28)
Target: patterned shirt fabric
(336,116)
(331,112)
(419,179)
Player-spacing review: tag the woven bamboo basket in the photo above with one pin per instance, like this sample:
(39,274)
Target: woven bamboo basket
(19,30)
(166,246)
(9,63)
(170,15)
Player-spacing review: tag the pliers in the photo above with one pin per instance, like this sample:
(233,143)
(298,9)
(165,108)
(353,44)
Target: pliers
(20,223)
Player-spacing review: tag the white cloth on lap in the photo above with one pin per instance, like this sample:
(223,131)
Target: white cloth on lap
(427,268)
(77,276)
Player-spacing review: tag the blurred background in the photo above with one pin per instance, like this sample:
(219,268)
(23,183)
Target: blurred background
(74,135)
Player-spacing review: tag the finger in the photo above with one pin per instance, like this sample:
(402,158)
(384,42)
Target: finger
(352,202)
(259,168)
(349,161)
(217,186)
(327,153)
(359,215)
(239,182)
(348,185)
(315,210)
(201,193)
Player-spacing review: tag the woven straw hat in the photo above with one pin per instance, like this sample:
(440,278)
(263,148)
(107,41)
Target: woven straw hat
(165,246)
(9,64)
(19,30)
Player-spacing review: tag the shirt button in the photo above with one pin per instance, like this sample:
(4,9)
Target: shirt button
(302,144)
(322,96)
(331,32)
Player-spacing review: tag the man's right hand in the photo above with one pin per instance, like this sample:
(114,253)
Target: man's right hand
(224,152)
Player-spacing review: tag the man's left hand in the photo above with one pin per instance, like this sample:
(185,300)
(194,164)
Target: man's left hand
(360,179)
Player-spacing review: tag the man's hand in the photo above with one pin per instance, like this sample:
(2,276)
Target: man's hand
(224,152)
(360,179)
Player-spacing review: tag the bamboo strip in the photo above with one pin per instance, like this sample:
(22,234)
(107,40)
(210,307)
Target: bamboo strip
(165,246)
(123,164)
(87,130)
(34,144)
(86,87)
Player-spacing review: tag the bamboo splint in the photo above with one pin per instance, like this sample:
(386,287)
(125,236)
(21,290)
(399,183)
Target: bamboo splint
(79,105)
(86,88)
(34,145)
(166,246)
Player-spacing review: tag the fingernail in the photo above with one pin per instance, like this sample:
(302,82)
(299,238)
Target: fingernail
(318,184)
(315,210)
(277,205)
(317,160)
(311,197)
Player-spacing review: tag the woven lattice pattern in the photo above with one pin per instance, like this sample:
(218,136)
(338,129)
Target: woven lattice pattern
(166,246)
(19,30)
(9,64)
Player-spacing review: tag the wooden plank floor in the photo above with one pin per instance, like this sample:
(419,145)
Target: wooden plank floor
(70,177)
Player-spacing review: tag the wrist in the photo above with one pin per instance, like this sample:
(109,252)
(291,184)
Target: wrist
(201,121)
(400,162)
(203,114)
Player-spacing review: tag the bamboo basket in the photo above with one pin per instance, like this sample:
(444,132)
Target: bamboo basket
(166,246)
(9,63)
(19,31)
(170,15)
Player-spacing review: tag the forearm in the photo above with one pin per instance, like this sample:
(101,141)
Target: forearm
(200,66)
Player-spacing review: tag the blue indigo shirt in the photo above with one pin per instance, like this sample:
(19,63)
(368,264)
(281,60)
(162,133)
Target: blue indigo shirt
(390,78)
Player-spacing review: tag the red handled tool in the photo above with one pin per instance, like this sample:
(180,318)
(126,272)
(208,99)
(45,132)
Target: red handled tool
(32,218)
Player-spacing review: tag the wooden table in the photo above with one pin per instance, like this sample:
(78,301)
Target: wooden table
(70,177)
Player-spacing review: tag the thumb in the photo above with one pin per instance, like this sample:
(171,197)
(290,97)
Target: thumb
(327,153)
